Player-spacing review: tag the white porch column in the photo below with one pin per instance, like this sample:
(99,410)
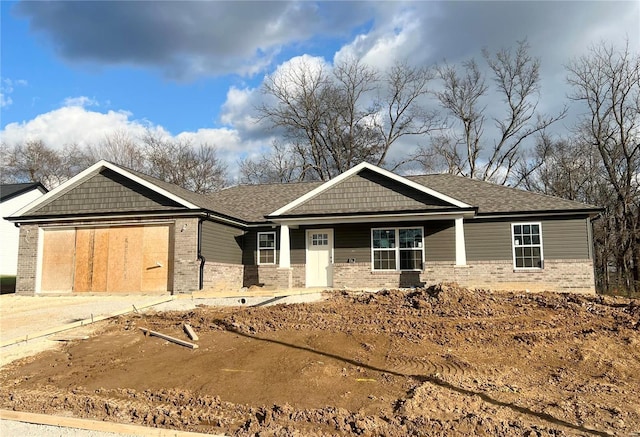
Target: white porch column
(461,252)
(285,248)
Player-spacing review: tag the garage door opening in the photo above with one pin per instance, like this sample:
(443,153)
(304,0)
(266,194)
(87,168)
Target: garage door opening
(107,259)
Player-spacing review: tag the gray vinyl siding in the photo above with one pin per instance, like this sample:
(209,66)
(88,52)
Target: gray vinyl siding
(221,243)
(107,191)
(298,246)
(561,238)
(352,242)
(439,241)
(485,240)
(488,241)
(565,239)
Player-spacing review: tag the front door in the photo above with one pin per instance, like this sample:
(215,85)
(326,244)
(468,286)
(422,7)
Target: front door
(319,258)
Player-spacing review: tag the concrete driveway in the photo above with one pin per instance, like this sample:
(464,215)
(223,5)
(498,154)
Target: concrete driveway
(29,323)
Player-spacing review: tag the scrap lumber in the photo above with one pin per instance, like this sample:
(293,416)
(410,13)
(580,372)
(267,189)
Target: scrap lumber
(169,338)
(190,332)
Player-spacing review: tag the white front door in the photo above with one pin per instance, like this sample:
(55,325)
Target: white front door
(319,258)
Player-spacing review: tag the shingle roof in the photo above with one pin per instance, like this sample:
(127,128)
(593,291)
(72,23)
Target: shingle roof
(252,202)
(493,199)
(7,191)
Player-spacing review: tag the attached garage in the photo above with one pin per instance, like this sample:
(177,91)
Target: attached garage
(107,259)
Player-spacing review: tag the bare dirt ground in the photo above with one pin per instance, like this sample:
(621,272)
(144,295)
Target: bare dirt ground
(439,361)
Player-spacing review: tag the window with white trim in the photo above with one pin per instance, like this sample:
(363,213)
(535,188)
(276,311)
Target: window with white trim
(266,247)
(527,245)
(397,248)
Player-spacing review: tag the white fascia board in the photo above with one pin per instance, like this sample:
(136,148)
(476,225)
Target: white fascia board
(357,169)
(95,167)
(373,218)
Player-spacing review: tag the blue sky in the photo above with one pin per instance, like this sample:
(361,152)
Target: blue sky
(75,71)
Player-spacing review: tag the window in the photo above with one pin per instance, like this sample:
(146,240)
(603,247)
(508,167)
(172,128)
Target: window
(397,249)
(320,239)
(527,245)
(266,247)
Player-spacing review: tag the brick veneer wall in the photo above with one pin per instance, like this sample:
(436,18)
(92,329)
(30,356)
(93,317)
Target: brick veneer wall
(186,265)
(574,276)
(223,277)
(27,260)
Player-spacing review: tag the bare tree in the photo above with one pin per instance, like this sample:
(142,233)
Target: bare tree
(280,165)
(195,168)
(464,147)
(34,161)
(565,168)
(119,148)
(336,119)
(606,82)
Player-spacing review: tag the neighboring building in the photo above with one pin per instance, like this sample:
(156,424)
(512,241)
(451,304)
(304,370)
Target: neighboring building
(14,197)
(116,230)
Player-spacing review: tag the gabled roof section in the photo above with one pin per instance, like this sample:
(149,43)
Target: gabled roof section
(9,191)
(367,188)
(115,172)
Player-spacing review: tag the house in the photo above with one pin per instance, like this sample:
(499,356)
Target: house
(111,229)
(14,197)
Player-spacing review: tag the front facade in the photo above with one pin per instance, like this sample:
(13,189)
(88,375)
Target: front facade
(110,229)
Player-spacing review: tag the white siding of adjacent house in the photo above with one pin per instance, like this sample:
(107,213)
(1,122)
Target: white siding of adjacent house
(9,233)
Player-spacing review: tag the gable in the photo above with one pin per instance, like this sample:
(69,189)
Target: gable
(368,191)
(104,191)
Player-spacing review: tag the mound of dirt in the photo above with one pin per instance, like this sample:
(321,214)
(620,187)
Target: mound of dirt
(442,360)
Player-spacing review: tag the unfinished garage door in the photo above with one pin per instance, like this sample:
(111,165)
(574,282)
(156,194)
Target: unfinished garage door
(114,259)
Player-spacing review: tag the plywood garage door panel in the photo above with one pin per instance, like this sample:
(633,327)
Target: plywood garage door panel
(155,258)
(110,259)
(58,253)
(100,259)
(125,259)
(83,277)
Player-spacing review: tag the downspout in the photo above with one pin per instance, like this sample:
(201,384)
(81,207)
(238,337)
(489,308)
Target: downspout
(200,257)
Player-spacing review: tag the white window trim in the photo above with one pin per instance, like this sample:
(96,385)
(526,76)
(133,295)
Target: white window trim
(513,246)
(397,249)
(258,249)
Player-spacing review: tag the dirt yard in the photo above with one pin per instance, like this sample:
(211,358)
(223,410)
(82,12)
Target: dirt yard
(440,361)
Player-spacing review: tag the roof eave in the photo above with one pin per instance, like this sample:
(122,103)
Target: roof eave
(591,212)
(395,216)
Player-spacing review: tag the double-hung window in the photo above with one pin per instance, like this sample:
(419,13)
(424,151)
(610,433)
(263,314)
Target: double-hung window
(397,248)
(527,245)
(266,247)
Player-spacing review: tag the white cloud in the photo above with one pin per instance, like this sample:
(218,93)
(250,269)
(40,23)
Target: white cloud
(238,109)
(6,88)
(81,101)
(76,124)
(5,100)
(71,125)
(396,39)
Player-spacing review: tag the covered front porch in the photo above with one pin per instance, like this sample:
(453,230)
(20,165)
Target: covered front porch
(342,253)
